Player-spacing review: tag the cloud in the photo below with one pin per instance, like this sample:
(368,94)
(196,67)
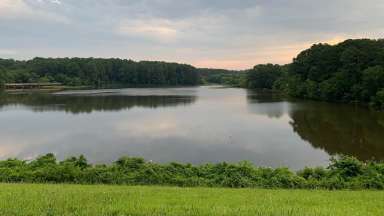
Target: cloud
(196,31)
(55,2)
(12,8)
(215,33)
(157,29)
(21,10)
(50,1)
(7,52)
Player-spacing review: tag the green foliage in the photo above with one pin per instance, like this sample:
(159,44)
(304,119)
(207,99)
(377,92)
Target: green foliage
(223,77)
(2,77)
(80,162)
(126,163)
(346,167)
(350,71)
(378,99)
(263,76)
(373,81)
(343,173)
(97,72)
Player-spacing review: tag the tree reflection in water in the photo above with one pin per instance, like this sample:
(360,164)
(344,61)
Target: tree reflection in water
(335,128)
(77,104)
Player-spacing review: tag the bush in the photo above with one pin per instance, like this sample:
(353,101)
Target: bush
(346,167)
(343,173)
(378,100)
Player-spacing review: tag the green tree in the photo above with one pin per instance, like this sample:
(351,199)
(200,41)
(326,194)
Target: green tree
(263,76)
(349,71)
(98,72)
(373,81)
(2,77)
(378,99)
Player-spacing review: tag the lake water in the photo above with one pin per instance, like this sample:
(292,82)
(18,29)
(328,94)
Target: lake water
(194,125)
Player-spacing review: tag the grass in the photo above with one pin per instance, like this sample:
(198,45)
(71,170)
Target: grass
(28,199)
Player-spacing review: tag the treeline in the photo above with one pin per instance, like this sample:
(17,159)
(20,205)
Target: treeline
(223,77)
(97,72)
(351,71)
(342,173)
(266,76)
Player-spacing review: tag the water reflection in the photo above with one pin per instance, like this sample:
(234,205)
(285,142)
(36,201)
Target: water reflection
(341,129)
(335,128)
(267,103)
(192,125)
(77,104)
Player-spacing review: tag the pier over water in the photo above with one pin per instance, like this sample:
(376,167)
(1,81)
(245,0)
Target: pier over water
(30,85)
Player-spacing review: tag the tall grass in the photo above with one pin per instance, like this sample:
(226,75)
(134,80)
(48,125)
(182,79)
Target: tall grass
(40,200)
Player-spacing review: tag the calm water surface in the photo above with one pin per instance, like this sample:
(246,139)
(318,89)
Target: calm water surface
(194,125)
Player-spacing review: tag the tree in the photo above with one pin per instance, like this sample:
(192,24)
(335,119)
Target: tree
(263,76)
(378,100)
(98,72)
(349,71)
(373,81)
(2,77)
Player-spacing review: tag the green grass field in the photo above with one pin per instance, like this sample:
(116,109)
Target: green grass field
(26,199)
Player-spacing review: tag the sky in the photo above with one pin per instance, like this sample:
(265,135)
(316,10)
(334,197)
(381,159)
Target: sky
(231,34)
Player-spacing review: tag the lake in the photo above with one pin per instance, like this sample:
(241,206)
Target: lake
(190,124)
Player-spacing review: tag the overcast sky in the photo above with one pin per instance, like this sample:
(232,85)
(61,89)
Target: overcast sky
(234,34)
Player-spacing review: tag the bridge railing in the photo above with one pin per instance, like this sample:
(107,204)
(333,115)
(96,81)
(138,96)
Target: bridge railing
(29,85)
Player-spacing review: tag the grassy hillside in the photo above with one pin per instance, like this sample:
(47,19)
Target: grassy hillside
(26,199)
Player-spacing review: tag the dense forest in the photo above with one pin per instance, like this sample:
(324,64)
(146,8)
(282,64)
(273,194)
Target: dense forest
(351,71)
(264,76)
(97,72)
(222,76)
(342,173)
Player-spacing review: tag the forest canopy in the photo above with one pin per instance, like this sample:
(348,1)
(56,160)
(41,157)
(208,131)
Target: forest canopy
(351,71)
(222,76)
(97,72)
(263,76)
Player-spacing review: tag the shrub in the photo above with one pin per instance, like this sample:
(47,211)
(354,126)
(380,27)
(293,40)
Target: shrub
(343,173)
(346,167)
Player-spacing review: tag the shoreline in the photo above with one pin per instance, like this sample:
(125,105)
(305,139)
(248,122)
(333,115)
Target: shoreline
(342,173)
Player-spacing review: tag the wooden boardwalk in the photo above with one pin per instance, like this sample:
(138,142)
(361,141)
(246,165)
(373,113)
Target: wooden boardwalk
(30,85)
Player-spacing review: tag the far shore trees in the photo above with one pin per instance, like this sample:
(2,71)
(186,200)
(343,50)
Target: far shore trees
(97,72)
(351,71)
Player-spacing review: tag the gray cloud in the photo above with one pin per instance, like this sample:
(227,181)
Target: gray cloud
(214,33)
